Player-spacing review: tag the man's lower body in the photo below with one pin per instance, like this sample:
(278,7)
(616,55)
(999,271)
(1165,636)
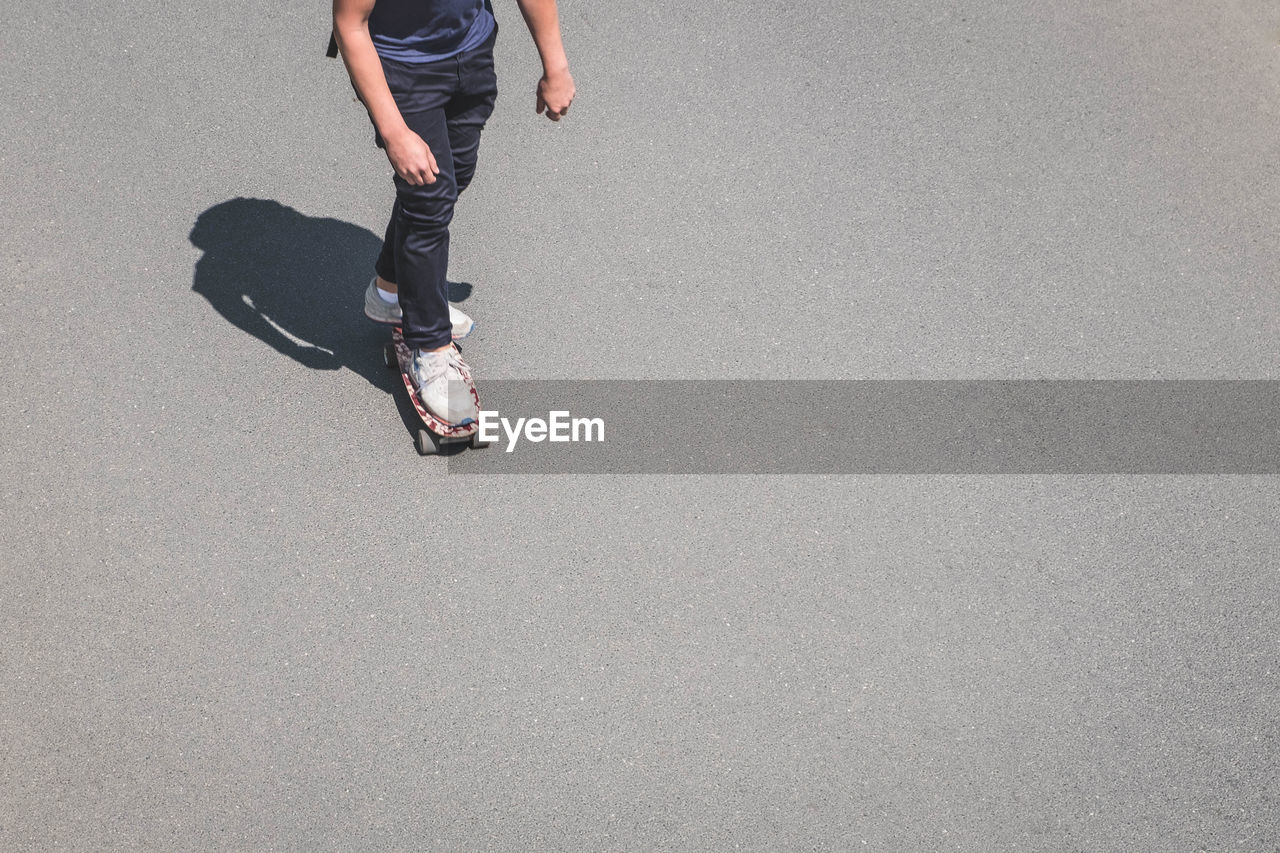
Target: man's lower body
(446,103)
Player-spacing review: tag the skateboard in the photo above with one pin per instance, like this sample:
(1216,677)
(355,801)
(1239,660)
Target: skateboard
(434,434)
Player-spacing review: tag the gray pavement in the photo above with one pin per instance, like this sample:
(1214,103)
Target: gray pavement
(240,613)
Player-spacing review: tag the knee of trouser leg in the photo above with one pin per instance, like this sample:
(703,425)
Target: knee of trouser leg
(433,214)
(464,177)
(429,206)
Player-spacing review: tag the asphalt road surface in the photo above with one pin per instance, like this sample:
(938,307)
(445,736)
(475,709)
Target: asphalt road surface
(240,613)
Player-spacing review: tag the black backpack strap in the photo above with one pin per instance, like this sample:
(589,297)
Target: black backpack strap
(332,52)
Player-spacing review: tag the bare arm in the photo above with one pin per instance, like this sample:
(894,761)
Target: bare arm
(409,155)
(555,89)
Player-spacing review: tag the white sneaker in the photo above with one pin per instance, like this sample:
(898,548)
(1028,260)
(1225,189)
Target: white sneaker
(436,374)
(380,310)
(462,324)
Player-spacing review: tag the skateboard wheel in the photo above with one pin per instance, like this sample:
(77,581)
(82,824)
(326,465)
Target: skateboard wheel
(426,442)
(389,355)
(476,441)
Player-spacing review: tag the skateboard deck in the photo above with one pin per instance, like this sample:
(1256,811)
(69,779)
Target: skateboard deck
(434,434)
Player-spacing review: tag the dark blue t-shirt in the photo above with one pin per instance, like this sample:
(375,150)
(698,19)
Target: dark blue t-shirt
(429,30)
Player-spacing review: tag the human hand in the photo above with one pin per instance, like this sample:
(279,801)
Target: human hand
(411,157)
(555,93)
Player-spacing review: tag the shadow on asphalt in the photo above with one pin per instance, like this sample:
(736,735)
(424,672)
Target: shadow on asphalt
(297,283)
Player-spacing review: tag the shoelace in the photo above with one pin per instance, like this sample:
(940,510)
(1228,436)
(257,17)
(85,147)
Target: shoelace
(431,366)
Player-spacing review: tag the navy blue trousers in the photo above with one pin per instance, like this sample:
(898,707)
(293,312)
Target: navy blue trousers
(447,104)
